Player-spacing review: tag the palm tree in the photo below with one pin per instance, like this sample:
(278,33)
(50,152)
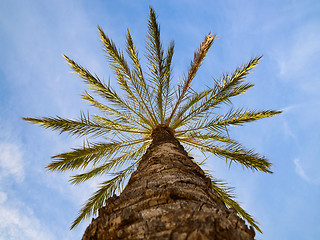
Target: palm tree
(140,133)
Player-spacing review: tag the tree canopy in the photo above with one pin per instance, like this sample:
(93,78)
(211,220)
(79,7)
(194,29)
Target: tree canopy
(147,100)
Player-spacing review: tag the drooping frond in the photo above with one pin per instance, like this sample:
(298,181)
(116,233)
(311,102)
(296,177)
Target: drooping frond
(106,190)
(226,194)
(234,152)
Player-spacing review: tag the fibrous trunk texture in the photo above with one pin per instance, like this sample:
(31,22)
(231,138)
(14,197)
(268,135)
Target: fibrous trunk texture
(167,197)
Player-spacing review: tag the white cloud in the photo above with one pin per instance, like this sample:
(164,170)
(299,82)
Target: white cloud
(19,224)
(288,131)
(300,52)
(3,197)
(305,175)
(299,170)
(11,161)
(298,58)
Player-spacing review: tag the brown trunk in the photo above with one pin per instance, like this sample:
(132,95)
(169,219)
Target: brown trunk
(167,197)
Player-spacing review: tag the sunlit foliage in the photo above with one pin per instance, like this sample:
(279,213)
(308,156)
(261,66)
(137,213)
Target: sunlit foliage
(149,99)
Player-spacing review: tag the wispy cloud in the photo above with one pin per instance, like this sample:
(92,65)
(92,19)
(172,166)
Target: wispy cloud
(19,223)
(303,173)
(298,57)
(3,197)
(11,161)
(300,171)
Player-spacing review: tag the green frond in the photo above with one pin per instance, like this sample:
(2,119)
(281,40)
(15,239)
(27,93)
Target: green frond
(133,54)
(191,102)
(114,56)
(139,82)
(155,57)
(126,79)
(206,136)
(200,124)
(112,164)
(226,194)
(115,126)
(125,116)
(106,190)
(234,152)
(81,127)
(220,121)
(93,102)
(167,91)
(229,86)
(194,66)
(168,62)
(238,117)
(105,91)
(232,85)
(246,158)
(81,157)
(93,81)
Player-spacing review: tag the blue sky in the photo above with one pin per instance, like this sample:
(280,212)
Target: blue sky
(35,81)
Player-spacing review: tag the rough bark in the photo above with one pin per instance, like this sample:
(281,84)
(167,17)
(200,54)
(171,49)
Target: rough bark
(167,197)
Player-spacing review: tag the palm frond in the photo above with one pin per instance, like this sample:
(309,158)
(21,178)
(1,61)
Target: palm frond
(232,85)
(139,83)
(81,157)
(112,164)
(229,86)
(200,124)
(221,121)
(239,116)
(126,79)
(207,136)
(120,67)
(167,91)
(82,127)
(119,127)
(191,102)
(125,116)
(155,57)
(105,91)
(236,153)
(194,66)
(226,194)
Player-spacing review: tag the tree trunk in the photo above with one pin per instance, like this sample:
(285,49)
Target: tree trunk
(167,197)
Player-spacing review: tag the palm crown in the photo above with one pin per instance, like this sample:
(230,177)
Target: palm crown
(148,101)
